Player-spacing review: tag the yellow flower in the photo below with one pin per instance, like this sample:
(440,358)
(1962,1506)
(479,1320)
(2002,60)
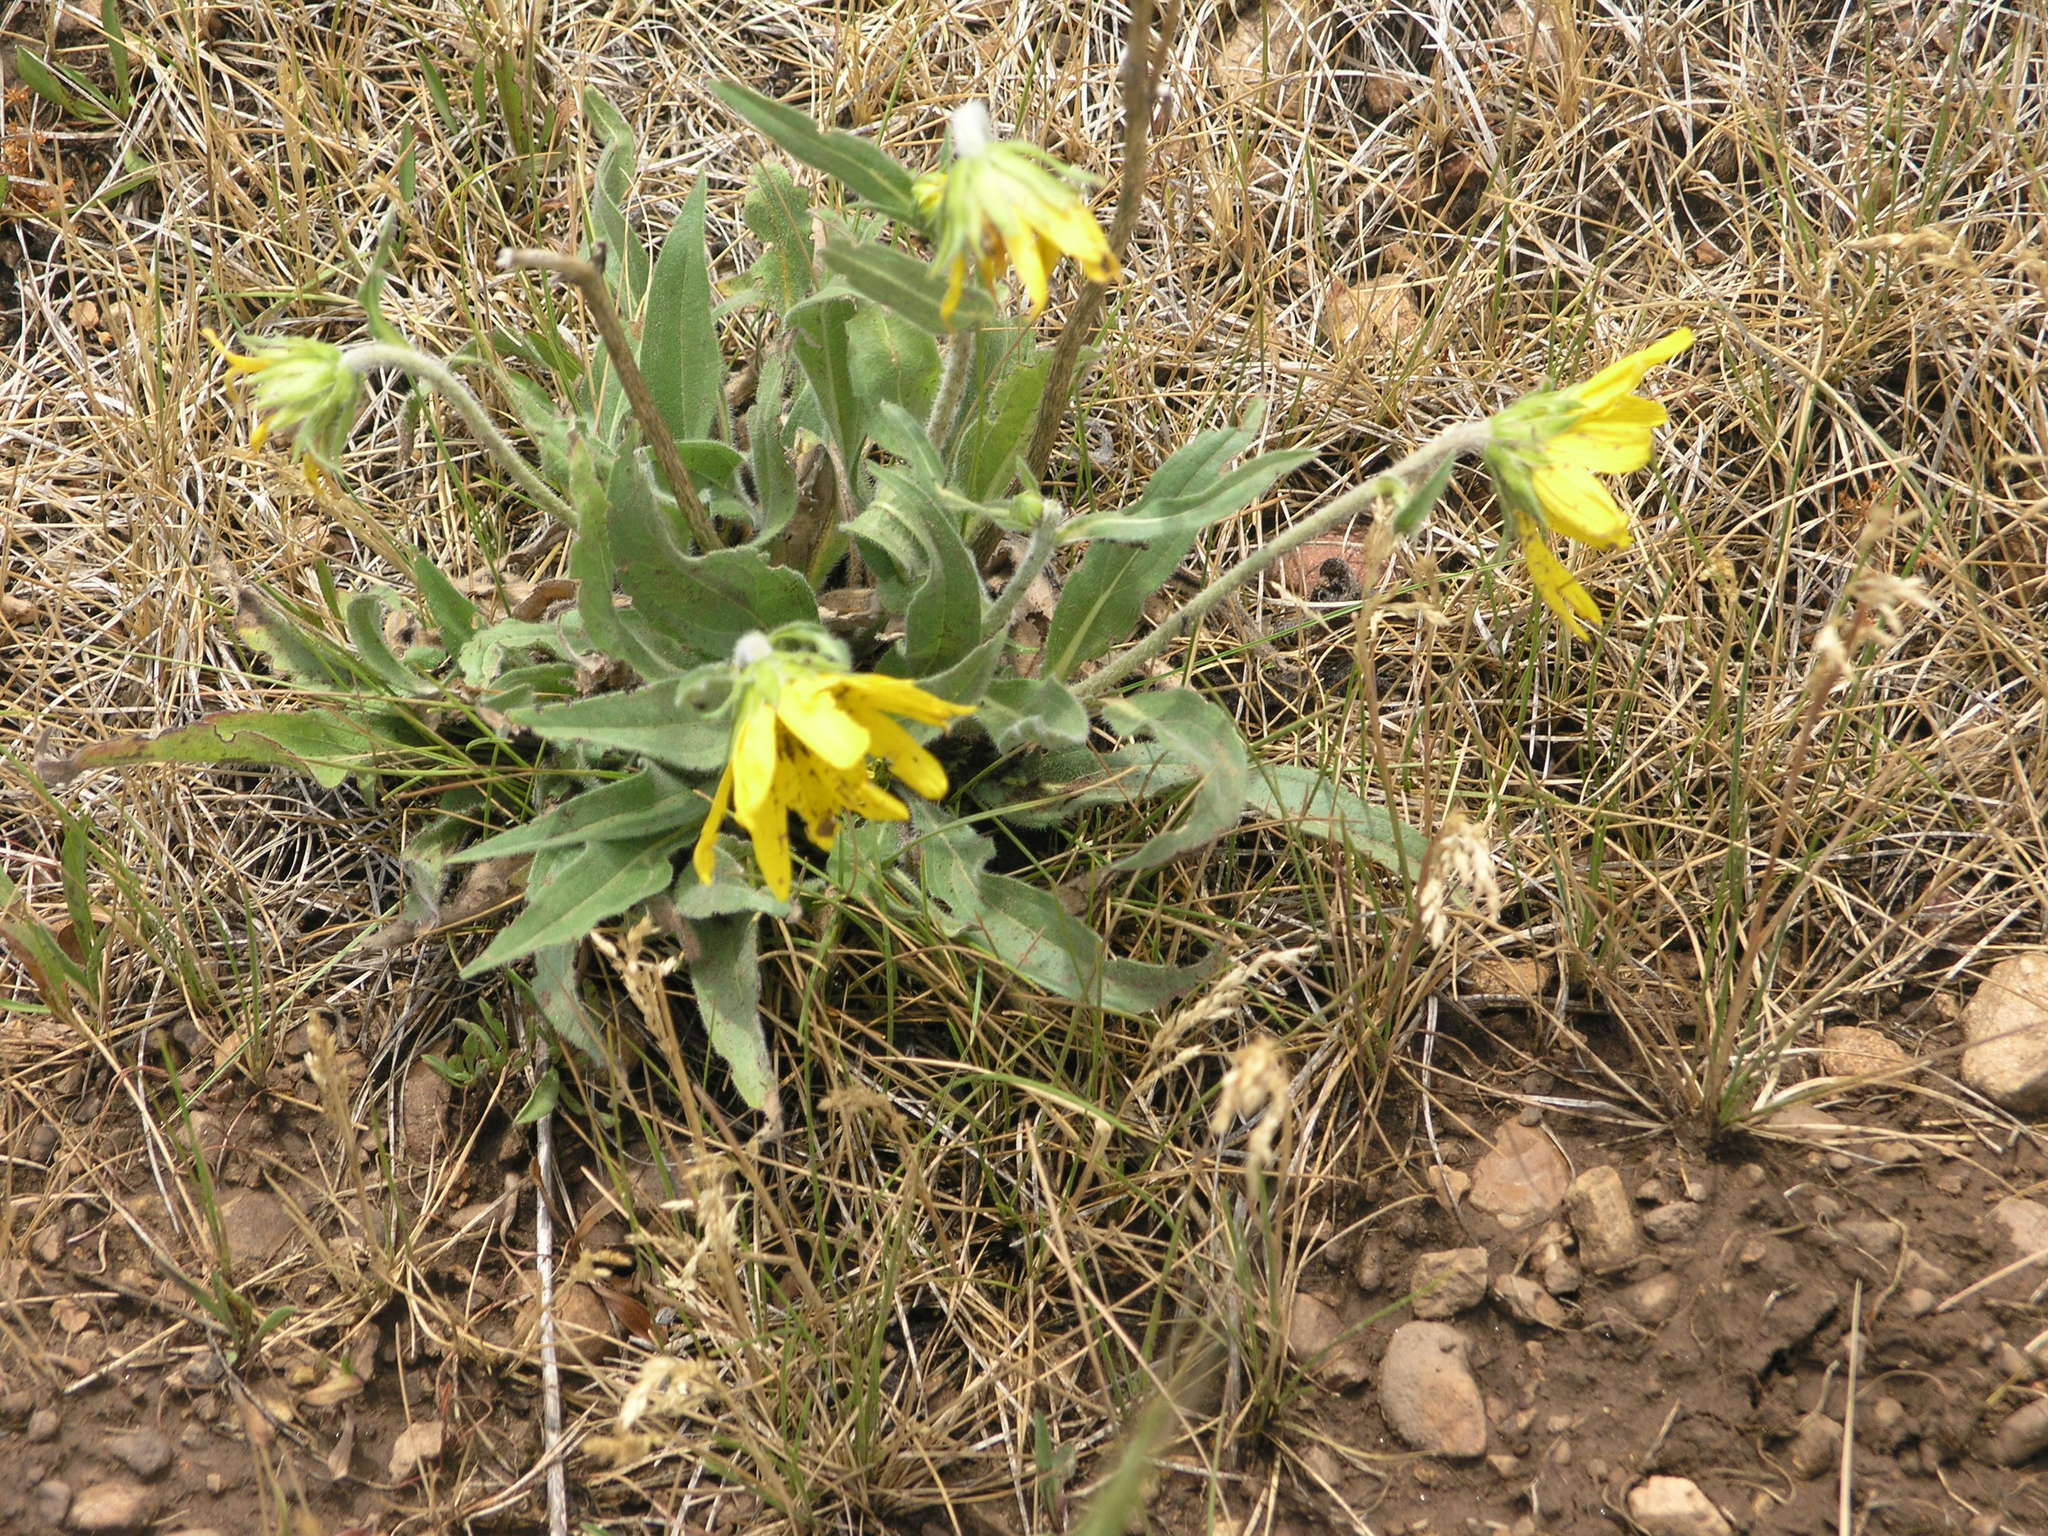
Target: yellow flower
(1546,453)
(303,388)
(1003,202)
(803,737)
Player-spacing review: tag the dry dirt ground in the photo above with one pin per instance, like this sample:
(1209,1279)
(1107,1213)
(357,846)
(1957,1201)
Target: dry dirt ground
(262,1269)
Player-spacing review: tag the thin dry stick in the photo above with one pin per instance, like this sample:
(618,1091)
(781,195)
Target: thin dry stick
(1848,1471)
(544,1264)
(588,281)
(1140,76)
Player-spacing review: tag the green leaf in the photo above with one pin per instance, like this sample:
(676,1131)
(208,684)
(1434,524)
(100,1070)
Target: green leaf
(570,890)
(1309,802)
(912,290)
(705,602)
(626,262)
(484,656)
(992,438)
(364,617)
(923,570)
(1032,712)
(647,804)
(1024,928)
(680,721)
(1103,599)
(678,341)
(547,1093)
(779,212)
(1425,496)
(559,997)
(324,744)
(892,363)
(454,615)
(770,448)
(726,975)
(1181,516)
(818,328)
(866,170)
(732,890)
(1191,730)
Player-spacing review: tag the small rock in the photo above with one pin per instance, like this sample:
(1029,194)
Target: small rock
(1368,1269)
(416,1445)
(1604,1219)
(1879,1239)
(1427,1393)
(2023,1436)
(1503,979)
(43,1425)
(1674,1506)
(1885,1427)
(51,1501)
(257,1226)
(1654,1300)
(2005,1034)
(1847,1050)
(1446,1283)
(2023,1223)
(1917,1301)
(1449,1185)
(2014,1363)
(111,1509)
(1504,1465)
(1561,1277)
(1528,1302)
(142,1451)
(1652,1192)
(1521,1182)
(1674,1222)
(1815,1446)
(1317,1338)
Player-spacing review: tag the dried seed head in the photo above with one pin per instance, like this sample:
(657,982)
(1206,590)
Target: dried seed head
(1459,862)
(1254,1089)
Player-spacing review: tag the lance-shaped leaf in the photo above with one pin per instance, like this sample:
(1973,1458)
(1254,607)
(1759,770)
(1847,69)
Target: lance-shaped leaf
(570,890)
(1192,731)
(923,569)
(1025,928)
(324,744)
(726,976)
(913,290)
(648,804)
(678,341)
(681,721)
(1032,712)
(1309,803)
(866,170)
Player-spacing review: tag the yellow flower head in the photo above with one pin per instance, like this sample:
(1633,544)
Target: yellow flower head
(1001,202)
(304,389)
(1546,453)
(804,734)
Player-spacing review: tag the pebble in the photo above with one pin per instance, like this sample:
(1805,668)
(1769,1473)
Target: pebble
(1879,1239)
(1448,1282)
(2022,1223)
(1886,1426)
(1674,1222)
(51,1501)
(1449,1185)
(1849,1050)
(111,1509)
(1815,1446)
(1427,1393)
(2014,1362)
(1528,1302)
(42,1426)
(2005,1034)
(1604,1218)
(1654,1300)
(2023,1436)
(1504,1465)
(1316,1339)
(1521,1182)
(142,1451)
(1674,1506)
(256,1225)
(1917,1301)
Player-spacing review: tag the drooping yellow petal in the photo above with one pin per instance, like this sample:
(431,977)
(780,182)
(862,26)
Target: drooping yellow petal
(809,707)
(1621,377)
(1575,504)
(1611,442)
(899,696)
(906,759)
(1560,590)
(753,765)
(706,859)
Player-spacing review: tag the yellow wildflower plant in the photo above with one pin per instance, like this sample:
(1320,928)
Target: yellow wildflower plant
(1546,452)
(1002,202)
(303,389)
(804,737)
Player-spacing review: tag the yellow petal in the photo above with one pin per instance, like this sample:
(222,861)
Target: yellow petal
(1607,443)
(1578,506)
(1560,590)
(707,840)
(767,823)
(810,708)
(1021,241)
(1622,376)
(899,696)
(753,765)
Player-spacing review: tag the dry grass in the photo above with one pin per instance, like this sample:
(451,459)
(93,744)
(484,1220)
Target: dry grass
(993,1225)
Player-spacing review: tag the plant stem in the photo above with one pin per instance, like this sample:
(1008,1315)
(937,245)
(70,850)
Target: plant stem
(945,417)
(588,281)
(430,370)
(1044,540)
(1466,437)
(1138,86)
